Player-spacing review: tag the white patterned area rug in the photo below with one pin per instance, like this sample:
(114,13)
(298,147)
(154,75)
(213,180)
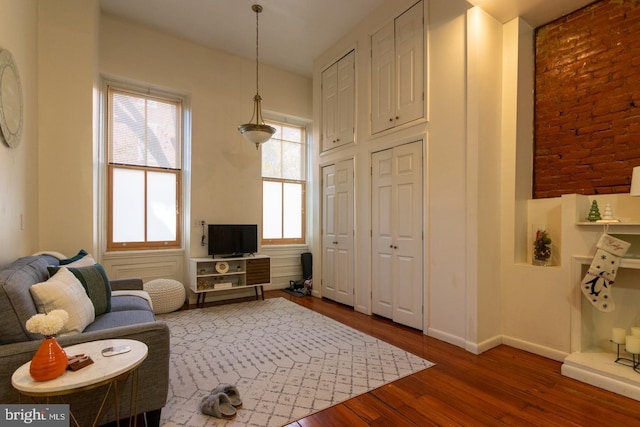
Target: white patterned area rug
(287,362)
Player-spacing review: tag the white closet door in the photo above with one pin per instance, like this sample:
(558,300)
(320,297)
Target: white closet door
(345,233)
(408,290)
(338,233)
(397,285)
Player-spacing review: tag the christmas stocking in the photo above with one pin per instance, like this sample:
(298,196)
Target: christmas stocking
(596,285)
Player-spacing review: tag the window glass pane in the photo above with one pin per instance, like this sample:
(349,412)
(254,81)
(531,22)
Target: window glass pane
(162,135)
(292,161)
(293,134)
(283,161)
(128,205)
(161,206)
(292,199)
(127,130)
(271,210)
(278,128)
(271,159)
(144,131)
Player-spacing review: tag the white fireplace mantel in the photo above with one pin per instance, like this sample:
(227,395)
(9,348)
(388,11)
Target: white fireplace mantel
(596,365)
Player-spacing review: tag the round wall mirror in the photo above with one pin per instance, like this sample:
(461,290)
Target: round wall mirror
(10,100)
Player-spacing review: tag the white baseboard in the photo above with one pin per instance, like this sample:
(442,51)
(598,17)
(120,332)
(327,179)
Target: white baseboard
(596,380)
(540,350)
(477,348)
(446,337)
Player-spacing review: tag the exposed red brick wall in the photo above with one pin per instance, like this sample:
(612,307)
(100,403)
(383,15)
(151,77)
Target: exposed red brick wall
(587,101)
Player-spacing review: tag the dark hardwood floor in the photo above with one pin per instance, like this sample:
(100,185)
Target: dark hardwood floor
(503,386)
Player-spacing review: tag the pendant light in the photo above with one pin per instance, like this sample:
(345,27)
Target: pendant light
(256,132)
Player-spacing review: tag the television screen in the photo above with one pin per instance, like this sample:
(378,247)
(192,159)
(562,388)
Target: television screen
(233,239)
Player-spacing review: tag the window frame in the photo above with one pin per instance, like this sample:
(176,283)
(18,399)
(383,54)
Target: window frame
(147,94)
(303,182)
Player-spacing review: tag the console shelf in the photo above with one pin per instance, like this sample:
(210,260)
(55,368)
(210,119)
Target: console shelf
(223,274)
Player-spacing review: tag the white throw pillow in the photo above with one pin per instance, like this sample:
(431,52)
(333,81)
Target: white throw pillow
(64,291)
(85,261)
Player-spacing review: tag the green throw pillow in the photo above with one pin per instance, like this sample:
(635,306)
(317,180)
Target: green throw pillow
(95,281)
(81,254)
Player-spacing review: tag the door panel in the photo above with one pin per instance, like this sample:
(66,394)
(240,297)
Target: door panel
(382,79)
(383,277)
(382,233)
(328,232)
(329,106)
(409,38)
(346,100)
(345,232)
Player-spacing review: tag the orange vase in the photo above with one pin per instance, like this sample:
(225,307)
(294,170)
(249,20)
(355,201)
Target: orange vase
(49,362)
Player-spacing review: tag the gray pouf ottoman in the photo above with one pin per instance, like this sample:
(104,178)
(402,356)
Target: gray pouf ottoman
(167,295)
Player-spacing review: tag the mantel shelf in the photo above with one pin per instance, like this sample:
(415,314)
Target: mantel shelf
(618,228)
(610,224)
(633,263)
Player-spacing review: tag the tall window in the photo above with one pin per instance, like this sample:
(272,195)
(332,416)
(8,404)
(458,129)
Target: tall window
(283,185)
(144,149)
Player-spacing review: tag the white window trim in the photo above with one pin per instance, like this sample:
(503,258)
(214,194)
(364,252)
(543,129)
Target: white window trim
(101,162)
(308,125)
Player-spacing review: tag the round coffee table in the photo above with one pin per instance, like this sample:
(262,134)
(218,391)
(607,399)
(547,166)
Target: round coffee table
(103,371)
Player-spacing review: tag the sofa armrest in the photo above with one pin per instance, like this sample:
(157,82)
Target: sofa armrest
(153,373)
(133,283)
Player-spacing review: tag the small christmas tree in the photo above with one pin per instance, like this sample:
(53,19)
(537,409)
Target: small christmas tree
(594,212)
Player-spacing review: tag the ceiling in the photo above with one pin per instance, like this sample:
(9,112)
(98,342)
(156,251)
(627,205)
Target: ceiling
(293,32)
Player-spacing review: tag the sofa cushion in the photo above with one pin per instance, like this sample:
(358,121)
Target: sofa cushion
(129,302)
(96,284)
(64,291)
(16,304)
(115,319)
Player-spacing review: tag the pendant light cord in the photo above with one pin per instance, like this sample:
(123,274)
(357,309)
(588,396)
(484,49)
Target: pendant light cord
(258,9)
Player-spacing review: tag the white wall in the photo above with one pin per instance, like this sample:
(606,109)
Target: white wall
(225,169)
(19,166)
(67,72)
(447,168)
(535,300)
(484,92)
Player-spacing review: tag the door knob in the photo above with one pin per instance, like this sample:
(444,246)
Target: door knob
(335,243)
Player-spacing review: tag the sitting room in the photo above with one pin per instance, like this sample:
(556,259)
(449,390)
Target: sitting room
(384,212)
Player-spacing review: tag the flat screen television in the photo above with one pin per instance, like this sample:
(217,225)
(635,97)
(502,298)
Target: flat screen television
(232,240)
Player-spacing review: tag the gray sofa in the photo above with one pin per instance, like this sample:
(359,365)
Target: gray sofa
(130,318)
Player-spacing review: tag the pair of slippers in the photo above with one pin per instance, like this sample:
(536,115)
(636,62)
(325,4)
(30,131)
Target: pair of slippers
(222,402)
